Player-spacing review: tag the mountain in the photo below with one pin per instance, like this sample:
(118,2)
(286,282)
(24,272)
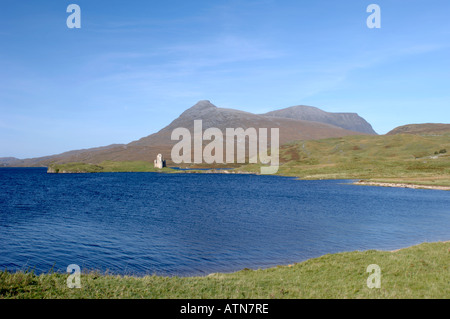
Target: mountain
(427,128)
(222,118)
(348,121)
(146,148)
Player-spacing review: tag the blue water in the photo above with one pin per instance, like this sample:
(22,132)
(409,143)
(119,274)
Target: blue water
(195,224)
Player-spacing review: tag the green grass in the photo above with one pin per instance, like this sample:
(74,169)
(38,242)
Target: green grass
(421,271)
(402,158)
(109,166)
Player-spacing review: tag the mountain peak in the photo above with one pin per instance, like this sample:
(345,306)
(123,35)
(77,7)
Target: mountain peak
(201,108)
(203,104)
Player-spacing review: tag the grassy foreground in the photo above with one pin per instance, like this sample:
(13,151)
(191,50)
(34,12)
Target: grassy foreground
(421,271)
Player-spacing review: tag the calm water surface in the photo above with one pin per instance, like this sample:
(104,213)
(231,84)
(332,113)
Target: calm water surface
(195,224)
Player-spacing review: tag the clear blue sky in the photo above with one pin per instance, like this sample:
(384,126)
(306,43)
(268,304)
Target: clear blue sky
(134,66)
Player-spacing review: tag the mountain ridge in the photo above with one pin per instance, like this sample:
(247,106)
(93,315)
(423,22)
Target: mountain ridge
(147,147)
(349,121)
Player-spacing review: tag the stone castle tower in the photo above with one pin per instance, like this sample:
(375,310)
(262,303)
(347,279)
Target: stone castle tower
(159,162)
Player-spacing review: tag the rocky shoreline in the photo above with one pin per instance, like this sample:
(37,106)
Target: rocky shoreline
(402,185)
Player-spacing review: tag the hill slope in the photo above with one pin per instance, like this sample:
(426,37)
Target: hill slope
(404,158)
(428,128)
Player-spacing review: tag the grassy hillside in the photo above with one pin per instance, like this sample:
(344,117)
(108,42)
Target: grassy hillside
(417,272)
(396,158)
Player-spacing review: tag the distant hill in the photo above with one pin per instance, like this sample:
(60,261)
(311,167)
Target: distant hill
(4,161)
(146,148)
(348,121)
(43,161)
(427,128)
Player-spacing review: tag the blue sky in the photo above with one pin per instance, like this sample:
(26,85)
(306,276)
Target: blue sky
(134,66)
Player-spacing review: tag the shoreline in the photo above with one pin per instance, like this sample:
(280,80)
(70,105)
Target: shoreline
(396,250)
(403,273)
(321,256)
(401,185)
(341,275)
(107,273)
(360,182)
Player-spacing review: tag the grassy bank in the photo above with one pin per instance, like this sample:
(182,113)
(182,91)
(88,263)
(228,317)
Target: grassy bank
(422,271)
(108,167)
(402,158)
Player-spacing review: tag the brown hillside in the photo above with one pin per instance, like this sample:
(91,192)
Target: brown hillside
(427,128)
